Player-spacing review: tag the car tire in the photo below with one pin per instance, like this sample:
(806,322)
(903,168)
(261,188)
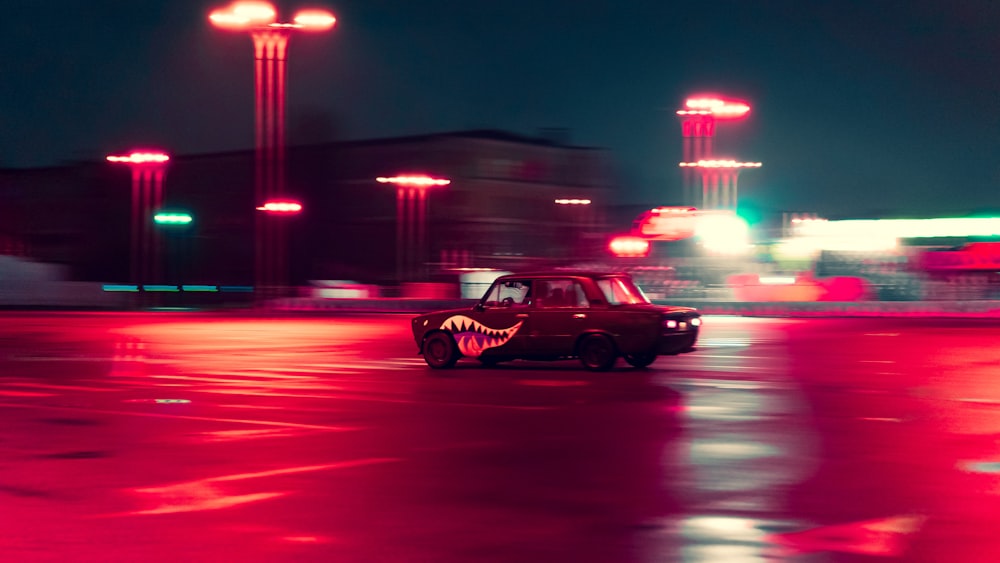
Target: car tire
(440,351)
(640,360)
(597,353)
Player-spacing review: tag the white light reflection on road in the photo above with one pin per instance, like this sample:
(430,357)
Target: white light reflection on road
(740,456)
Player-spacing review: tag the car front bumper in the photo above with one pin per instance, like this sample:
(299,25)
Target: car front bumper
(677,342)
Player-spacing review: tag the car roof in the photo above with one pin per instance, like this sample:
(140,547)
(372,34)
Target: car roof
(564,274)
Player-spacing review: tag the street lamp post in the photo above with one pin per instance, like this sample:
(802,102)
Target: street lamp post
(148,170)
(270,40)
(175,226)
(411,222)
(278,209)
(579,223)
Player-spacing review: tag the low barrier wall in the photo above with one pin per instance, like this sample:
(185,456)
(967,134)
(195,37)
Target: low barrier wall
(985,309)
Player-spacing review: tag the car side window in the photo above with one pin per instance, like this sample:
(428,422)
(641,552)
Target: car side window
(559,293)
(511,293)
(576,296)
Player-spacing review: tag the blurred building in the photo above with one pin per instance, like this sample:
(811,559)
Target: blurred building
(499,211)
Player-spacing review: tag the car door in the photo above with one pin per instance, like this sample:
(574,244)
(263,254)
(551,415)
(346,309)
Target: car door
(559,312)
(496,326)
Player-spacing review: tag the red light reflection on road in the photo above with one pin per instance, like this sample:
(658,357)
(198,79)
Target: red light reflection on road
(885,537)
(205,494)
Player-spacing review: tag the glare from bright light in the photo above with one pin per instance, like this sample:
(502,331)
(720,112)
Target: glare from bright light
(901,228)
(573,201)
(717,107)
(139,158)
(776,280)
(720,164)
(627,246)
(244,15)
(723,233)
(664,209)
(413,181)
(315,20)
(281,207)
(172,218)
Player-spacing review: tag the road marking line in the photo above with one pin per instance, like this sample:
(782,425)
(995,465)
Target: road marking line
(188,417)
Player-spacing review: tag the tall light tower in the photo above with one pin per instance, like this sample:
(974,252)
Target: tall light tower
(148,170)
(270,41)
(718,182)
(698,120)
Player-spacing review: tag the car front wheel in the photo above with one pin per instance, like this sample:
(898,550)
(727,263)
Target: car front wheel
(440,351)
(640,360)
(597,353)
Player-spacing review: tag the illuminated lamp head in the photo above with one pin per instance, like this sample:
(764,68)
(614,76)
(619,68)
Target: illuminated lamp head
(717,107)
(314,20)
(244,15)
(413,181)
(139,157)
(281,207)
(720,164)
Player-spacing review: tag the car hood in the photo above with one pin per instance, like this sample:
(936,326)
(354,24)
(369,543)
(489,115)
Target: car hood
(677,310)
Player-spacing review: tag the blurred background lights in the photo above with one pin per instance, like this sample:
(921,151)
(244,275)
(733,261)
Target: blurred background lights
(140,158)
(723,233)
(627,246)
(413,180)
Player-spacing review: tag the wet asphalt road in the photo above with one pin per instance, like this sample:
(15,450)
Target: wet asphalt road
(212,437)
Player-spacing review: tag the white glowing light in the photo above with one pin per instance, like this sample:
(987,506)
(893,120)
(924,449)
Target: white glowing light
(723,233)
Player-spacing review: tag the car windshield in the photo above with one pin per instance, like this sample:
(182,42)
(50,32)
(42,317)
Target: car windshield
(621,291)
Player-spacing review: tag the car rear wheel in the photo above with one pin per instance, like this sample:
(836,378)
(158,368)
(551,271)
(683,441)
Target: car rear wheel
(597,353)
(440,351)
(640,360)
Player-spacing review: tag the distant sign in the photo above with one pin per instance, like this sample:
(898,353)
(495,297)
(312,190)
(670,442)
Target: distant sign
(666,223)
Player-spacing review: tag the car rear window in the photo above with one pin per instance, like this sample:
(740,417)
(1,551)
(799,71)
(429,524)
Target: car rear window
(621,291)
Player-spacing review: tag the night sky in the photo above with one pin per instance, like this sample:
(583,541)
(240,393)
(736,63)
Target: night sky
(860,107)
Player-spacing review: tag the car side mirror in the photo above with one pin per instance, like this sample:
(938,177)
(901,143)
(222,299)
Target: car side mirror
(478,307)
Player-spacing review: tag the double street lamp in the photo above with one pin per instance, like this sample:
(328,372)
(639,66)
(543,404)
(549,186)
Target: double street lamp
(270,41)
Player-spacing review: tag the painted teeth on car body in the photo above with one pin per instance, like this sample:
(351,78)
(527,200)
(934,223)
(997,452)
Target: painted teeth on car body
(594,317)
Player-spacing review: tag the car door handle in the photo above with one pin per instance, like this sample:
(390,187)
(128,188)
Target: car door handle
(580,316)
(521,315)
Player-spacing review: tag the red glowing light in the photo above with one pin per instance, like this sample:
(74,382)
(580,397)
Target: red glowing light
(628,246)
(243,15)
(666,223)
(720,164)
(413,181)
(315,20)
(284,207)
(719,108)
(139,158)
(251,15)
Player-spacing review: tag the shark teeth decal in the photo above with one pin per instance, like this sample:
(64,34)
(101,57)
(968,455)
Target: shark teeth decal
(473,337)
